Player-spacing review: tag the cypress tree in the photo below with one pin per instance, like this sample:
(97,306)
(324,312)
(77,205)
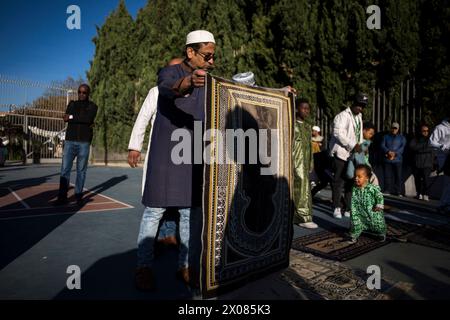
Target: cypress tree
(434,69)
(297,26)
(112,77)
(331,43)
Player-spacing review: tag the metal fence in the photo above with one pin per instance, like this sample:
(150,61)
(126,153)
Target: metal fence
(31,115)
(399,106)
(31,118)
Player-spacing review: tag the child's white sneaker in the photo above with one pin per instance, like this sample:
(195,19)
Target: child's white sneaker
(337,213)
(426,198)
(352,241)
(308,225)
(347,214)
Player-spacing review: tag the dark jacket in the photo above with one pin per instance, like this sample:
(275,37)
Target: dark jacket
(395,143)
(168,184)
(423,152)
(80,127)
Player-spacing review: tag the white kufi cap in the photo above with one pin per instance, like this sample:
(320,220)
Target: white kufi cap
(199,36)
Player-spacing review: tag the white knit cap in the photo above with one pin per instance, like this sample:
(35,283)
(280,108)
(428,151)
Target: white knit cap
(199,36)
(316,128)
(245,78)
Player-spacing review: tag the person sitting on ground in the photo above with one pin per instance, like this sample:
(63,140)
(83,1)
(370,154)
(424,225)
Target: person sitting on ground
(367,206)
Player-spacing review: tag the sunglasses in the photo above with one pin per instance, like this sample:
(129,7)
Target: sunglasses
(207,56)
(82,92)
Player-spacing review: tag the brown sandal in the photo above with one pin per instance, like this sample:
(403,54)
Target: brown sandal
(144,279)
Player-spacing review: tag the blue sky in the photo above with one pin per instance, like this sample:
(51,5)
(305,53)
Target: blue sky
(36,44)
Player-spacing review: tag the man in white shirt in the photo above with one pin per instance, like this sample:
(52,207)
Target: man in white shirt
(167,232)
(347,135)
(440,139)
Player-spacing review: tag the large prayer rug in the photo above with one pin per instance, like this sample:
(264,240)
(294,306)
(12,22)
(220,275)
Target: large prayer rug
(248,180)
(313,278)
(333,244)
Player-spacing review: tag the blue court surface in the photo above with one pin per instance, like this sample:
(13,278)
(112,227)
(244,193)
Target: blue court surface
(38,243)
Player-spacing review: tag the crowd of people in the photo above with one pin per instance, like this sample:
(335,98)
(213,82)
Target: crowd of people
(353,181)
(171,193)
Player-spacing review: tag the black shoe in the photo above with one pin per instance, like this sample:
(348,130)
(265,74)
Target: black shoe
(79,199)
(61,202)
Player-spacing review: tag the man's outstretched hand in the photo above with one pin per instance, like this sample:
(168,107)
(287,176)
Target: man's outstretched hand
(198,78)
(133,158)
(289,89)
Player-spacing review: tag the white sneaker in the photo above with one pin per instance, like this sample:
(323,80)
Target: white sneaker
(347,214)
(308,225)
(337,213)
(420,197)
(426,198)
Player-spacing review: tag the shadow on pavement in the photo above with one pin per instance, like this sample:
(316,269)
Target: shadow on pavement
(424,285)
(19,235)
(113,278)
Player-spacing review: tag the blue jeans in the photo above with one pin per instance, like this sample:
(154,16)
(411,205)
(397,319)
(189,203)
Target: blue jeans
(149,228)
(73,149)
(168,229)
(393,178)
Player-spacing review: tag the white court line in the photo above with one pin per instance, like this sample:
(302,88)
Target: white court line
(18,198)
(122,203)
(85,189)
(61,213)
(70,206)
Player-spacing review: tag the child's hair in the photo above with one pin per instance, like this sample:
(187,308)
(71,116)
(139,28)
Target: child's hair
(368,125)
(366,168)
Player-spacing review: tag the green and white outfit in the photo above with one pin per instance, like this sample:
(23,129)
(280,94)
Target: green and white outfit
(363,218)
(303,164)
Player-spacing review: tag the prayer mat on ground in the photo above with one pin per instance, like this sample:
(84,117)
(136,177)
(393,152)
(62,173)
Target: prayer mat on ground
(247,199)
(319,279)
(333,244)
(313,278)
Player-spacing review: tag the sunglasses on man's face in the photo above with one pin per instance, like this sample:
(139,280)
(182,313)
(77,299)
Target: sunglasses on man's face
(82,92)
(207,56)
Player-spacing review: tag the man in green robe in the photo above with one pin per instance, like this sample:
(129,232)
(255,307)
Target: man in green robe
(303,164)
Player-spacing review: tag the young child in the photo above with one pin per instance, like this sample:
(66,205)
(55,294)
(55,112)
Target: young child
(367,206)
(363,156)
